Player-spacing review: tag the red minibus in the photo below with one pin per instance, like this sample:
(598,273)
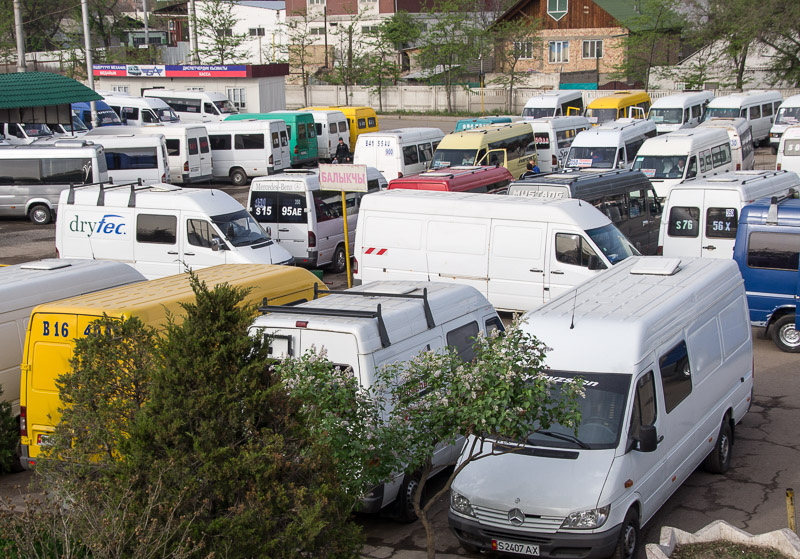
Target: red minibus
(487,179)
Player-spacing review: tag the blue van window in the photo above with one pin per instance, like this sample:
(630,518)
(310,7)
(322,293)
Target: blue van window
(773,251)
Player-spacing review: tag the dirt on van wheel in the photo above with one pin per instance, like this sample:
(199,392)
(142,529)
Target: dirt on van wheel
(724,550)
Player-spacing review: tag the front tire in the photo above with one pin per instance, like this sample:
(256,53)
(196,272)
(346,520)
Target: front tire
(40,214)
(339,262)
(405,499)
(238,177)
(785,335)
(628,541)
(719,460)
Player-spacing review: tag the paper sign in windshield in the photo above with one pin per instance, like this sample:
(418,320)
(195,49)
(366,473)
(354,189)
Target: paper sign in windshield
(580,163)
(649,172)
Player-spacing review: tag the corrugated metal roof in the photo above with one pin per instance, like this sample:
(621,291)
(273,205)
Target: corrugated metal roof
(37,89)
(621,10)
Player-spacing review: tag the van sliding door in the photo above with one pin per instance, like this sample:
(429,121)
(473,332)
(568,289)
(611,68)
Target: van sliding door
(517,265)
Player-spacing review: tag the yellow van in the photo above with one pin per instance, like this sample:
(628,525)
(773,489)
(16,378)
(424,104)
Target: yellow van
(359,119)
(54,326)
(508,145)
(621,104)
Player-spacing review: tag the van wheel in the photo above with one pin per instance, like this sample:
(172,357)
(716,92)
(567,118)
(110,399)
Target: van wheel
(339,262)
(628,541)
(238,177)
(785,335)
(719,460)
(40,214)
(405,498)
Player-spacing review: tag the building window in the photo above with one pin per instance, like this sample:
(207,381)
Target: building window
(319,2)
(120,88)
(557,9)
(237,96)
(367,29)
(256,31)
(195,88)
(226,32)
(316,30)
(593,49)
(558,52)
(523,49)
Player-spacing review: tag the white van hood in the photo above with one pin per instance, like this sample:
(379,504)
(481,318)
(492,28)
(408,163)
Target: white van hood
(536,484)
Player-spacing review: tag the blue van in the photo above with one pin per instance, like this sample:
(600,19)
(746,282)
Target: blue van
(470,123)
(766,250)
(105,114)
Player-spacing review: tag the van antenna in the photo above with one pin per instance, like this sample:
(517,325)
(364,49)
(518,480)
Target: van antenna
(572,321)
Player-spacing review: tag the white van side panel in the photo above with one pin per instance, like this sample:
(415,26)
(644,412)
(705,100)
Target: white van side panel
(517,260)
(403,235)
(456,251)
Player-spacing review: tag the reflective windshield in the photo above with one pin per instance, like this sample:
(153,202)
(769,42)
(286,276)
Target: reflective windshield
(715,112)
(599,158)
(538,112)
(666,116)
(788,115)
(614,245)
(602,412)
(225,107)
(78,125)
(452,157)
(240,228)
(602,115)
(36,130)
(166,114)
(661,167)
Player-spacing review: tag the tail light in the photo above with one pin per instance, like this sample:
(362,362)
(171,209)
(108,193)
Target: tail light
(186,166)
(271,160)
(355,265)
(163,177)
(738,166)
(296,150)
(554,161)
(660,250)
(58,253)
(778,168)
(312,239)
(23,421)
(399,175)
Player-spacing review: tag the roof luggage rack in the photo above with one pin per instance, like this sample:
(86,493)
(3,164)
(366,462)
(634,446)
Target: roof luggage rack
(135,187)
(772,213)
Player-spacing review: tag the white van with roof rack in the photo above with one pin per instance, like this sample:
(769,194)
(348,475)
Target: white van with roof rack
(140,111)
(611,145)
(664,347)
(161,229)
(740,134)
(377,324)
(195,106)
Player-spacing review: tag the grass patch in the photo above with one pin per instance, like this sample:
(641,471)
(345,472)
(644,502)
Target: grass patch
(724,550)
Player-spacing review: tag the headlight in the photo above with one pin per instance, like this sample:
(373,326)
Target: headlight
(587,519)
(460,504)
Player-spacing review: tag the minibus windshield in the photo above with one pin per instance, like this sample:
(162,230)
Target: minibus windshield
(599,158)
(666,116)
(614,245)
(538,112)
(166,114)
(225,107)
(661,166)
(453,157)
(788,115)
(36,130)
(720,112)
(602,115)
(240,228)
(602,411)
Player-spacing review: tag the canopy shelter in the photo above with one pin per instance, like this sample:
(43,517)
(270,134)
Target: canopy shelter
(40,97)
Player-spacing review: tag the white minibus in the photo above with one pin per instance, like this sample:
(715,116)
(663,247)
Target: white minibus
(740,134)
(140,111)
(308,221)
(195,106)
(399,152)
(611,145)
(130,157)
(554,103)
(759,107)
(244,149)
(161,229)
(671,158)
(518,252)
(554,136)
(788,158)
(23,134)
(701,216)
(665,352)
(788,115)
(331,125)
(32,177)
(682,110)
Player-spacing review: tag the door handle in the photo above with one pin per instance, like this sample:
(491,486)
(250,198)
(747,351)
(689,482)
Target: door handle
(172,252)
(709,247)
(283,230)
(645,222)
(559,272)
(188,254)
(537,271)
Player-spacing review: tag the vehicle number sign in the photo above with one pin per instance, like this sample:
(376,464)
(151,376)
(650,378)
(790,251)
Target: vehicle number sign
(516,547)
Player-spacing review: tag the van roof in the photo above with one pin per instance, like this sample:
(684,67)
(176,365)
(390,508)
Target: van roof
(551,98)
(682,141)
(612,321)
(28,284)
(749,184)
(617,99)
(150,300)
(757,213)
(585,184)
(793,101)
(738,123)
(736,100)
(79,147)
(557,122)
(298,179)
(458,176)
(402,317)
(682,99)
(468,204)
(609,133)
(415,132)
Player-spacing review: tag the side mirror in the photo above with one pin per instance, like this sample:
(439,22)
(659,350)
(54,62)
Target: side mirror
(217,244)
(648,438)
(595,263)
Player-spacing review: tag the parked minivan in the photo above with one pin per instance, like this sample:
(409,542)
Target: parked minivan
(161,229)
(307,221)
(554,136)
(490,180)
(399,152)
(625,196)
(759,107)
(788,158)
(54,326)
(612,145)
(788,115)
(766,250)
(556,103)
(22,134)
(243,149)
(665,352)
(130,157)
(140,111)
(361,119)
(32,177)
(682,110)
(622,104)
(701,216)
(195,106)
(740,134)
(331,125)
(669,159)
(417,315)
(518,252)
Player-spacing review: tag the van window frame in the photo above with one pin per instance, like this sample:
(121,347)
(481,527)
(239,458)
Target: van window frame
(458,340)
(676,372)
(770,250)
(152,235)
(645,384)
(582,255)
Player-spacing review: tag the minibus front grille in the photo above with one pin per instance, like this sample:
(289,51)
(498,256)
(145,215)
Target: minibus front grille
(534,523)
(505,535)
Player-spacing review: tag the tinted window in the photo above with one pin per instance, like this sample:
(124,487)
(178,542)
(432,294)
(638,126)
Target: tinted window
(132,158)
(721,155)
(284,139)
(425,152)
(193,150)
(183,105)
(130,113)
(158,229)
(199,233)
(262,206)
(684,222)
(203,144)
(410,155)
(676,376)
(755,112)
(362,123)
(722,222)
(766,109)
(462,340)
(573,249)
(371,122)
(327,204)
(291,207)
(319,128)
(173,147)
(249,141)
(542,140)
(644,404)
(276,143)
(311,132)
(301,132)
(774,251)
(220,142)
(46,171)
(208,108)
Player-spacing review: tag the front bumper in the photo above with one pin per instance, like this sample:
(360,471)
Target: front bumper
(561,545)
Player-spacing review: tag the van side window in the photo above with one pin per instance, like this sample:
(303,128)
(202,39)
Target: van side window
(697,111)
(373,185)
(199,233)
(773,251)
(204,144)
(289,130)
(208,108)
(156,229)
(149,117)
(249,141)
(644,404)
(425,152)
(632,148)
(328,205)
(276,143)
(218,142)
(766,109)
(493,324)
(193,149)
(676,376)
(462,338)
(284,139)
(371,122)
(319,128)
(755,112)
(362,123)
(636,205)
(573,249)
(691,172)
(721,155)
(683,222)
(615,207)
(685,115)
(173,147)
(130,113)
(653,203)
(410,155)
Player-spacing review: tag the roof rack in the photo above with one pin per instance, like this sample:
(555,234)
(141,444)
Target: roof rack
(772,213)
(101,198)
(425,304)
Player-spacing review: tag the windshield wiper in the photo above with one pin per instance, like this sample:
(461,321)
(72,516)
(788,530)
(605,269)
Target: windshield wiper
(562,437)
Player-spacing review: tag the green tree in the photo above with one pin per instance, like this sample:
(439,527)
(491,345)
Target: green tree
(514,39)
(349,62)
(300,41)
(9,437)
(781,30)
(218,44)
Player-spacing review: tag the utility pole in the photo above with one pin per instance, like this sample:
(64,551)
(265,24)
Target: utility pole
(87,41)
(193,33)
(325,28)
(20,36)
(146,26)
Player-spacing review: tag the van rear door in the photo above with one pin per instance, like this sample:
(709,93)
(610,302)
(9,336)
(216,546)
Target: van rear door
(684,223)
(516,264)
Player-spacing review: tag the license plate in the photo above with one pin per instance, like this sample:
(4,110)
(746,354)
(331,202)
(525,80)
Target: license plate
(515,547)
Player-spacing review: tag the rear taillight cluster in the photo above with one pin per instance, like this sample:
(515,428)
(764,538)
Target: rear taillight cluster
(355,265)
(312,239)
(23,421)
(554,161)
(186,166)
